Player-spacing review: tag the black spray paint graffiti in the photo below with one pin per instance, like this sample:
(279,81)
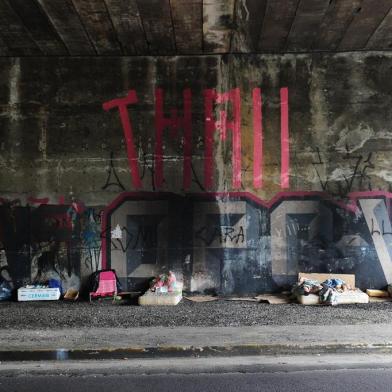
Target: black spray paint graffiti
(195,179)
(357,176)
(112,172)
(144,237)
(224,234)
(147,165)
(49,257)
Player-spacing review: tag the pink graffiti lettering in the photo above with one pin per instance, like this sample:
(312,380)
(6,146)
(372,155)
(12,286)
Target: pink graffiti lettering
(284,138)
(174,123)
(222,125)
(257,139)
(33,200)
(213,103)
(122,105)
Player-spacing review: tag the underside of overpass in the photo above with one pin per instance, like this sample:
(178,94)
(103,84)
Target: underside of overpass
(183,27)
(235,142)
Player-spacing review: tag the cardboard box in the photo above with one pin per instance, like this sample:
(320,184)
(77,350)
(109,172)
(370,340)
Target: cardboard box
(45,294)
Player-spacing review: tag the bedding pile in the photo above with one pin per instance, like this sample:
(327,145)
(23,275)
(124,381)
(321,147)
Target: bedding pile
(331,291)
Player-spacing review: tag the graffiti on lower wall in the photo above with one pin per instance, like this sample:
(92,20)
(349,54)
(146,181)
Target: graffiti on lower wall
(231,243)
(237,243)
(41,241)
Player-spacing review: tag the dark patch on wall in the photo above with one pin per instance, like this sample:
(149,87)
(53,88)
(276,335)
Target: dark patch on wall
(48,241)
(15,239)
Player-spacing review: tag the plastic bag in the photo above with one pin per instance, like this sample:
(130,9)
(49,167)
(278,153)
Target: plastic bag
(5,290)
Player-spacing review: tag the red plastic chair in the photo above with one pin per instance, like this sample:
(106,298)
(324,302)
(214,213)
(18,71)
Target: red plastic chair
(107,285)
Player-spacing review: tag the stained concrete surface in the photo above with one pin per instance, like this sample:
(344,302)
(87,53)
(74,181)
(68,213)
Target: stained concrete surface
(59,144)
(53,315)
(56,135)
(201,341)
(222,328)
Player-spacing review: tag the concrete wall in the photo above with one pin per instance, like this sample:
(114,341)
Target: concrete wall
(235,171)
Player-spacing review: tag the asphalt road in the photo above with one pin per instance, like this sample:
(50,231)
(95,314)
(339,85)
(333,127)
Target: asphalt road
(359,373)
(358,380)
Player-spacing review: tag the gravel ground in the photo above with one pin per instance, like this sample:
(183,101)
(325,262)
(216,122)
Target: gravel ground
(41,315)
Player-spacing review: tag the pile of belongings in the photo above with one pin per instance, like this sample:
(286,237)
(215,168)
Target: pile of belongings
(5,290)
(164,283)
(164,290)
(40,292)
(327,291)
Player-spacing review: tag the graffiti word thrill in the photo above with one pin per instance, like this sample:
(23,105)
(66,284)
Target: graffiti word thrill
(216,120)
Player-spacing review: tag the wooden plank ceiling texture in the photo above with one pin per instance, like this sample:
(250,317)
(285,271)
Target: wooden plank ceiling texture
(175,27)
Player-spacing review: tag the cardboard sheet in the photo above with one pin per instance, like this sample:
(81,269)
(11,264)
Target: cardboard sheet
(274,299)
(249,299)
(201,298)
(348,278)
(377,293)
(380,299)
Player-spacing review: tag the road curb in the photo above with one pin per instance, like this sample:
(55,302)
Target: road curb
(163,351)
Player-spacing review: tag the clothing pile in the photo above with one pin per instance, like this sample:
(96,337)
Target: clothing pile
(164,283)
(165,289)
(327,290)
(5,290)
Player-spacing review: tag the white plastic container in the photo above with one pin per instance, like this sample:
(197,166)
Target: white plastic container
(44,294)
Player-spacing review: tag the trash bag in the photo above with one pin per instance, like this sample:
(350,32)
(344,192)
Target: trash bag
(5,290)
(55,284)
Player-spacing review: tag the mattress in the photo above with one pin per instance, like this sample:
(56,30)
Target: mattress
(151,298)
(347,297)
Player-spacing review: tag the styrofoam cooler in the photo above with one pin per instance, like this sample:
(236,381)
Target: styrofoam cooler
(41,294)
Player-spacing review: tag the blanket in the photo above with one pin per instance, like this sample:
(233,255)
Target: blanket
(327,290)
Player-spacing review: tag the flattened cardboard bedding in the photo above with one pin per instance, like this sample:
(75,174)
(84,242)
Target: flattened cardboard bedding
(201,298)
(379,299)
(249,299)
(274,299)
(348,278)
(377,293)
(266,298)
(347,297)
